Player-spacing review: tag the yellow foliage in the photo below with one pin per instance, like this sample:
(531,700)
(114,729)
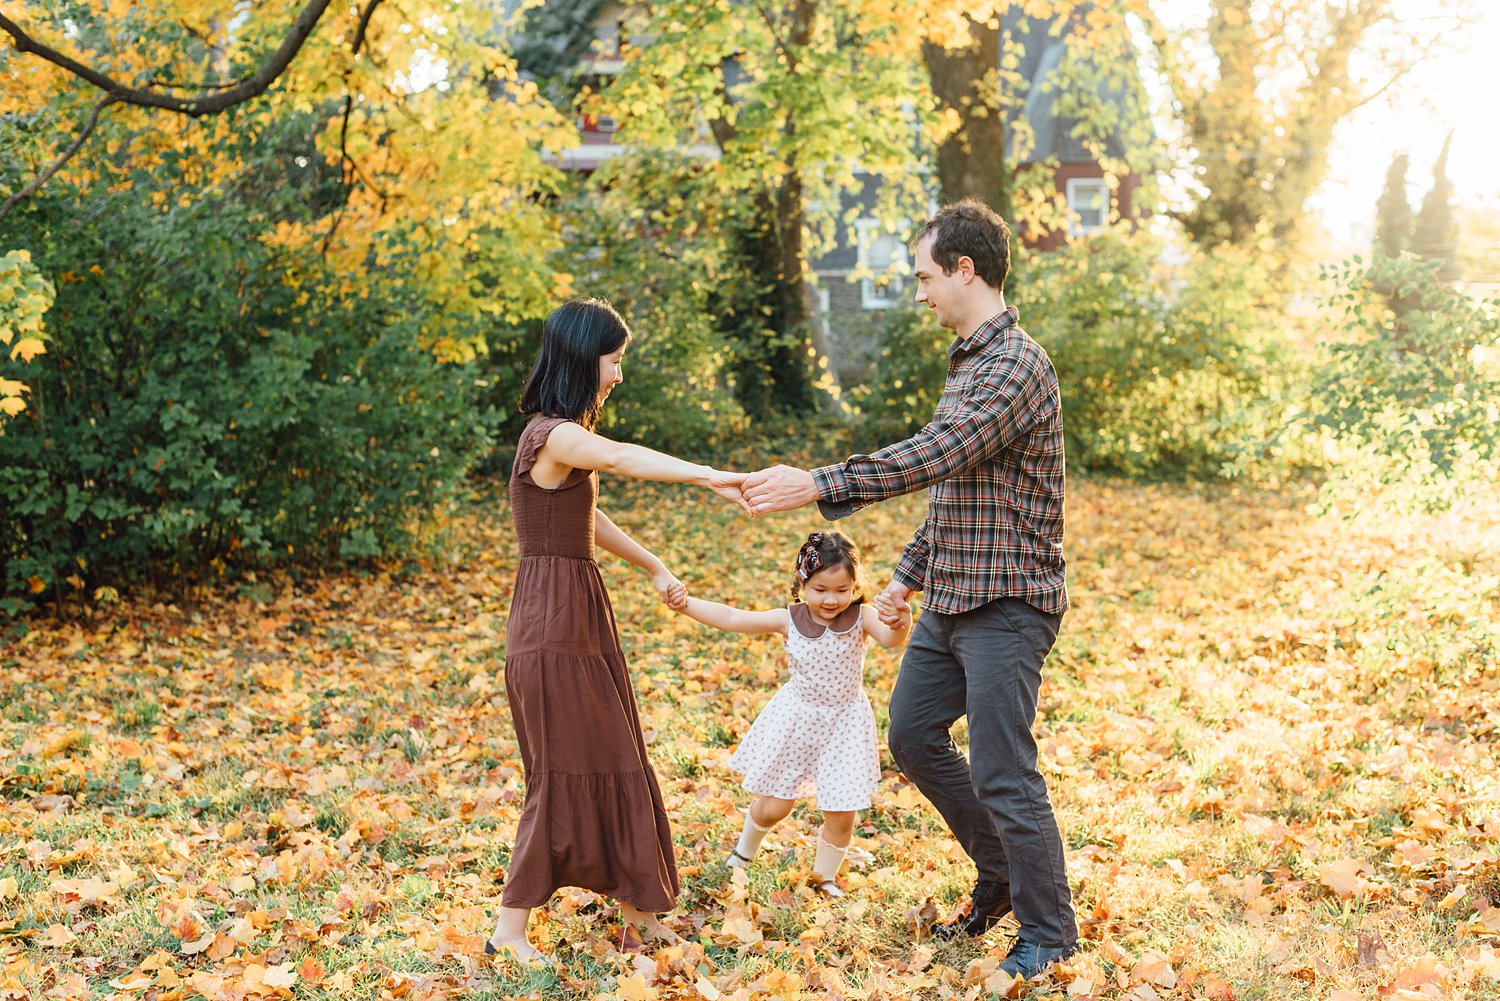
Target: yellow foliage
(439,141)
(27,348)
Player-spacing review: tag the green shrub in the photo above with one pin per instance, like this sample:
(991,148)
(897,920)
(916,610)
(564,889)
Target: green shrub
(675,396)
(1407,398)
(910,366)
(25,297)
(1165,370)
(210,398)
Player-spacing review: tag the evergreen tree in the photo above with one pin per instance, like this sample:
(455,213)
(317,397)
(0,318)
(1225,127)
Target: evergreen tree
(1393,211)
(1436,234)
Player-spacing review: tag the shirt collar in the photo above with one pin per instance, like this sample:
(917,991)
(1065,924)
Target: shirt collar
(988,331)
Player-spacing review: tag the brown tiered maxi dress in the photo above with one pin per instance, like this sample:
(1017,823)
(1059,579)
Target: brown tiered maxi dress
(593,815)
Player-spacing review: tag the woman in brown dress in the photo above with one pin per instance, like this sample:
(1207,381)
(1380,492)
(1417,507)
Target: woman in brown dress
(593,815)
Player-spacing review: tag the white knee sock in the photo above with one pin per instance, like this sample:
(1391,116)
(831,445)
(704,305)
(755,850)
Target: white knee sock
(750,839)
(830,860)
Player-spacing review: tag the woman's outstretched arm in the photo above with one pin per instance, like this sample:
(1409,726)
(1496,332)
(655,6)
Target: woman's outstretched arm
(570,446)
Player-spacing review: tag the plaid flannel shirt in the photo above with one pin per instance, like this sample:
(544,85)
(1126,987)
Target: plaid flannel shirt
(993,457)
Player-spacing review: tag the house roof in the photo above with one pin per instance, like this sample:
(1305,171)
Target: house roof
(1041,53)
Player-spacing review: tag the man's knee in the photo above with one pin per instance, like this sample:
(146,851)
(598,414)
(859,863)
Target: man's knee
(1016,796)
(913,746)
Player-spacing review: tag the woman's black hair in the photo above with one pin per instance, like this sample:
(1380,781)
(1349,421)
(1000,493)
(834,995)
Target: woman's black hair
(824,550)
(564,382)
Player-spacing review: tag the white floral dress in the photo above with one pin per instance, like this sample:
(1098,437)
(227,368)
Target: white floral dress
(817,734)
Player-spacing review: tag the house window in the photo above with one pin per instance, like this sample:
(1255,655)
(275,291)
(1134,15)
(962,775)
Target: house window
(882,257)
(602,124)
(1088,204)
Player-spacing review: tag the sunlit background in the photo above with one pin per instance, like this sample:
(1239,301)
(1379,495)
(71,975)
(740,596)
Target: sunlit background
(1457,92)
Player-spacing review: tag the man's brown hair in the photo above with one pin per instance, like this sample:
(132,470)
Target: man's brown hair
(974,230)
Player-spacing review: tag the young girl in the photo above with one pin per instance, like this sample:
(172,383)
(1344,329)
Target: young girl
(817,734)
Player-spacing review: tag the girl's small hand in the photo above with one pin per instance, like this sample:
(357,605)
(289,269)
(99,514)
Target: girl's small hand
(893,605)
(671,590)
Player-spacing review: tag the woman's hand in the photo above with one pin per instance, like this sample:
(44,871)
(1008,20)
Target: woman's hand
(727,486)
(672,591)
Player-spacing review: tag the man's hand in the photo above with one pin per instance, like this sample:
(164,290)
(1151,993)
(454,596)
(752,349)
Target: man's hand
(779,488)
(893,605)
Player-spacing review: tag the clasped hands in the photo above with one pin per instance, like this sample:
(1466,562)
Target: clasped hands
(776,488)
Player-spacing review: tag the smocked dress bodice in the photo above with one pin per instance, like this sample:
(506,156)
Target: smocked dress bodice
(551,522)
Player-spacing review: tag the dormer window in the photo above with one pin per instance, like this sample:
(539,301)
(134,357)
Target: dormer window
(1088,204)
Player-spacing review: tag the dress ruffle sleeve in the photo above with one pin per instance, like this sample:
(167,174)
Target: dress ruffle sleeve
(532,439)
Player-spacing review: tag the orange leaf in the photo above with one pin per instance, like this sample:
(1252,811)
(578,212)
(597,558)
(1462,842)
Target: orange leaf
(311,971)
(187,929)
(57,936)
(1342,877)
(635,988)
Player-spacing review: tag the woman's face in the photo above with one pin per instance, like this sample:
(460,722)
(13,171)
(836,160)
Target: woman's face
(610,372)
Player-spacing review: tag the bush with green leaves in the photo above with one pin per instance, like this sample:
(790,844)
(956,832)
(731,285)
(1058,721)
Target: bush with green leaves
(1165,369)
(911,362)
(25,297)
(1406,399)
(676,396)
(210,398)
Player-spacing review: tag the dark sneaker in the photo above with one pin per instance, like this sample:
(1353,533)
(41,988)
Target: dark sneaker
(1027,959)
(988,904)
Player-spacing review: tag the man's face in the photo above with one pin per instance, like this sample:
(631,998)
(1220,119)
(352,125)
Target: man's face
(944,294)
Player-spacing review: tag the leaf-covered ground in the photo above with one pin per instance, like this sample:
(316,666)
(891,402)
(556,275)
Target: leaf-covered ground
(1271,741)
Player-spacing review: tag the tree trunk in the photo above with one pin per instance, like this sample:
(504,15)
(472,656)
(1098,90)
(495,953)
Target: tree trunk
(971,162)
(774,370)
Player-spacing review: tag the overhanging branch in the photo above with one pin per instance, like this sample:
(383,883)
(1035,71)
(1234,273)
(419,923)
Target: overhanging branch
(196,106)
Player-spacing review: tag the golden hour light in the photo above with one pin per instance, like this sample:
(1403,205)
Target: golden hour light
(791,499)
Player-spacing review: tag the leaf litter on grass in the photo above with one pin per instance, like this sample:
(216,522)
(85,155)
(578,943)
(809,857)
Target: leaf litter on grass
(1270,741)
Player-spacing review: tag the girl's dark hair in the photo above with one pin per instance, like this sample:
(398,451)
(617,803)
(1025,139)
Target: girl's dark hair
(824,550)
(564,382)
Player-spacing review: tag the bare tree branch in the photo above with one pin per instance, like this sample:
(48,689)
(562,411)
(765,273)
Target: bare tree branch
(202,104)
(56,165)
(347,166)
(364,25)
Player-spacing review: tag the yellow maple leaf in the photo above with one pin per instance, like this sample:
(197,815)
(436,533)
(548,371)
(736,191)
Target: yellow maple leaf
(739,927)
(28,348)
(1155,968)
(1342,877)
(635,988)
(57,936)
(281,975)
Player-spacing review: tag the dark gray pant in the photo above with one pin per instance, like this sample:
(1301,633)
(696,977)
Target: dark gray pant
(987,664)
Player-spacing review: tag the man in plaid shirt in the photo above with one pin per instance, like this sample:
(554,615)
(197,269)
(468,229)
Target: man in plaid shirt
(988,559)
